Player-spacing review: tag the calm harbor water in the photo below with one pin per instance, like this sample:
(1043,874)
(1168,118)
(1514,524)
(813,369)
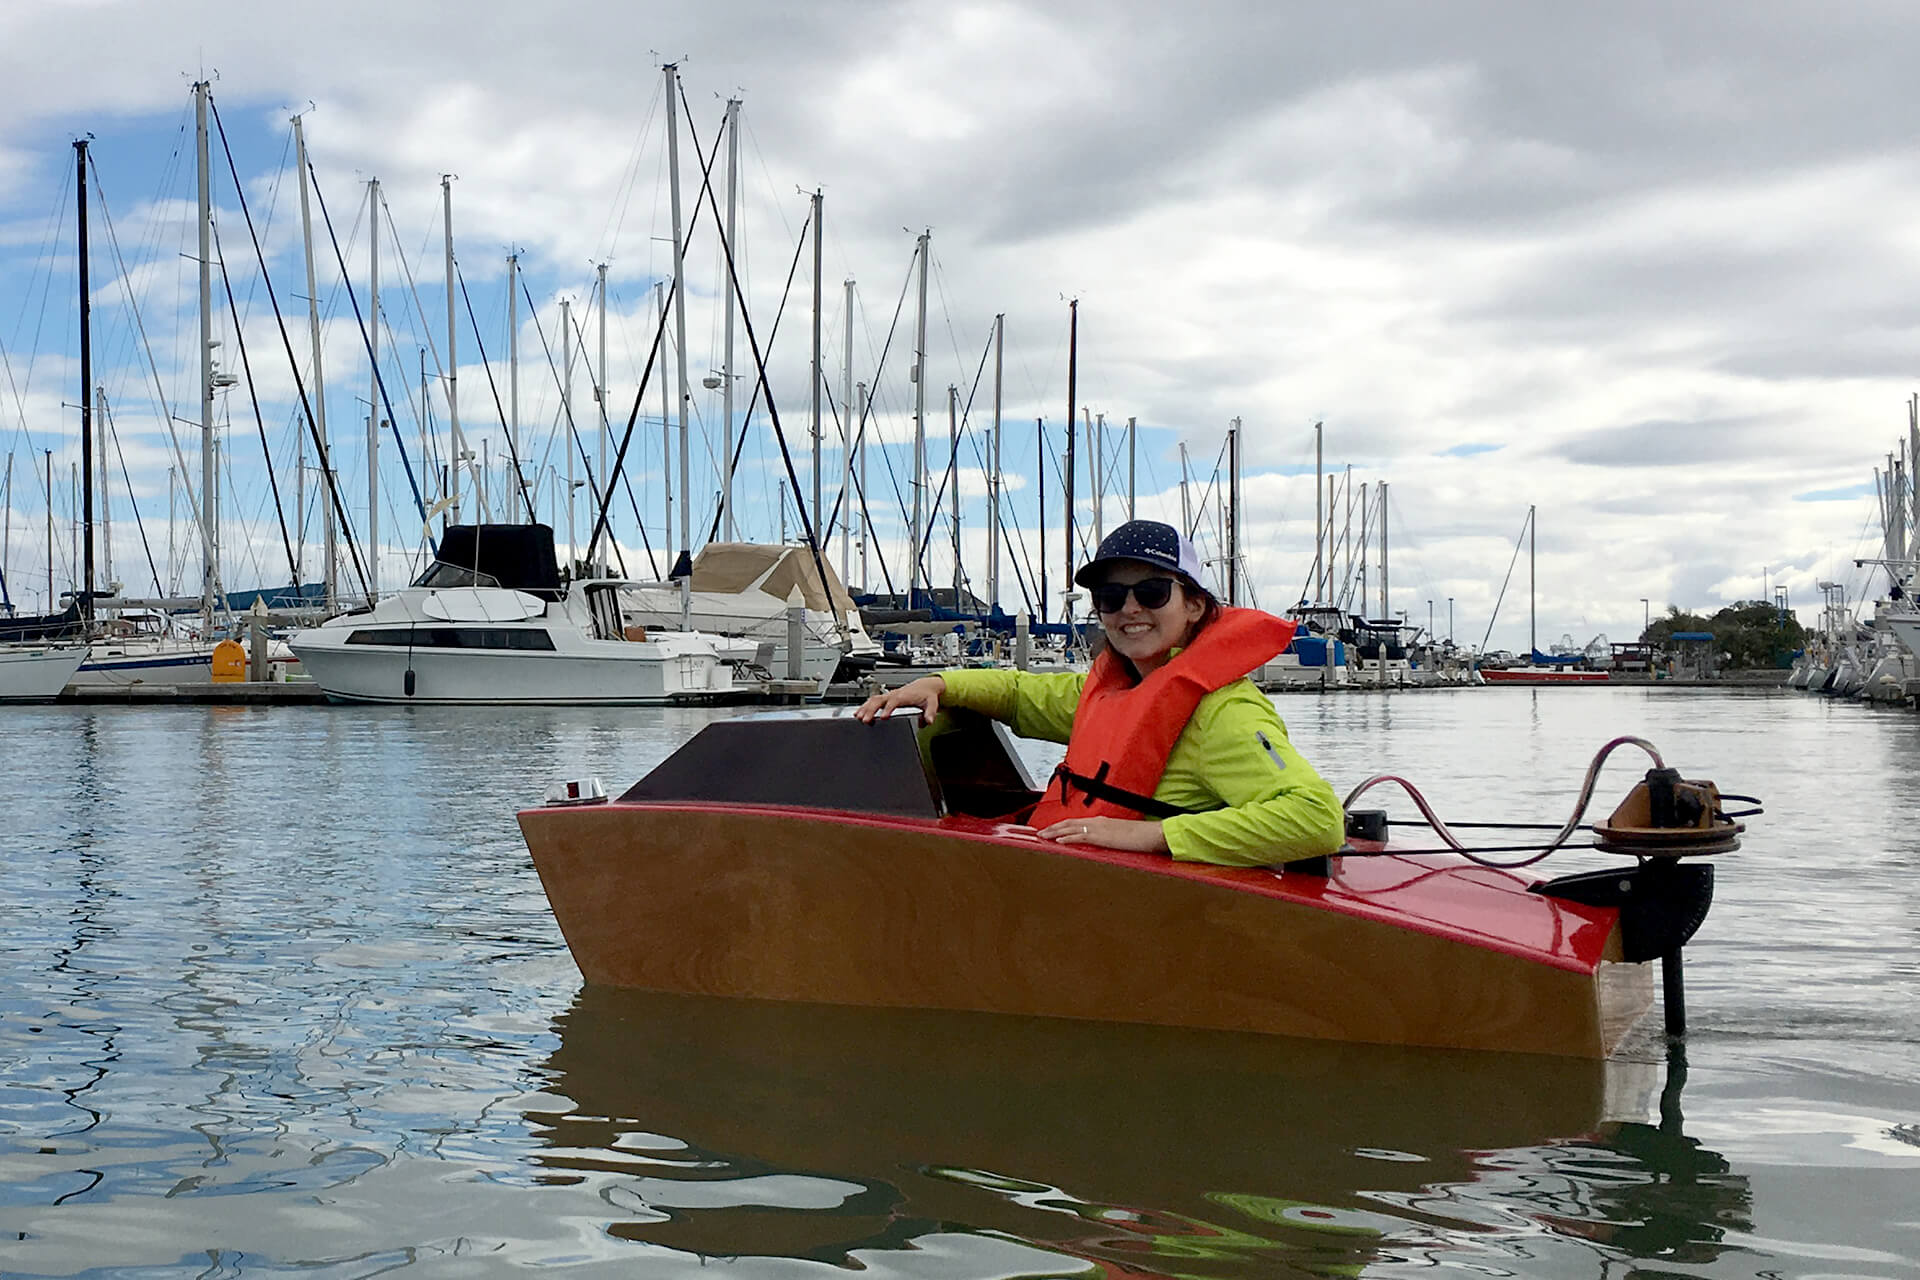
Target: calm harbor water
(280,993)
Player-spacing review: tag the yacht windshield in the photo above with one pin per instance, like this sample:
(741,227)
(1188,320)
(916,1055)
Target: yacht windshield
(442,574)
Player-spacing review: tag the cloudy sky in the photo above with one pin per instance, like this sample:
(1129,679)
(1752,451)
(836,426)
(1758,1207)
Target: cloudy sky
(1648,268)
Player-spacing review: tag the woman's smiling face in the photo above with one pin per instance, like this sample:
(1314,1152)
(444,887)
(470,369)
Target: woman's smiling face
(1148,636)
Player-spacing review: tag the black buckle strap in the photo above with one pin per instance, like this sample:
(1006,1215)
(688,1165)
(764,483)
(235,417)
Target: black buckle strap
(1098,788)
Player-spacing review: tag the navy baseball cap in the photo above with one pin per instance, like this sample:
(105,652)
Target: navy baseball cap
(1146,541)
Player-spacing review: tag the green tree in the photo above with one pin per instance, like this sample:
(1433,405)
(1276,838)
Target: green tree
(1752,633)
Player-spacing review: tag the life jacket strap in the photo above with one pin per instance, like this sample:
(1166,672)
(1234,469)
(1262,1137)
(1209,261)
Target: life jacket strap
(1098,788)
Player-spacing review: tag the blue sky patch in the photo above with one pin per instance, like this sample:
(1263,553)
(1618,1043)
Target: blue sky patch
(1468,450)
(1860,490)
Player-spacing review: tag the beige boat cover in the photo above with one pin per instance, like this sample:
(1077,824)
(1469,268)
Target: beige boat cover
(735,567)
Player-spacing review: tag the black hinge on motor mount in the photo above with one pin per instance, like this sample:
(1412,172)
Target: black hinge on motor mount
(1362,824)
(1662,902)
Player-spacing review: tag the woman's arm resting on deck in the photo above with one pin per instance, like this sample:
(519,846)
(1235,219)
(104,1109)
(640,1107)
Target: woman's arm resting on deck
(1032,704)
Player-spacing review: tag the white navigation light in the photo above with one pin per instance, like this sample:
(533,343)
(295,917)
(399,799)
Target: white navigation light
(576,791)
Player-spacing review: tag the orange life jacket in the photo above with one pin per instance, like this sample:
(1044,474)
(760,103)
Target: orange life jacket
(1123,730)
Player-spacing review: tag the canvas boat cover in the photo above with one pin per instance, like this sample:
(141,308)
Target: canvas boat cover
(519,556)
(731,568)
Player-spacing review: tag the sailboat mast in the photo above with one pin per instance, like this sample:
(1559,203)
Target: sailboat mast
(1913,452)
(1533,630)
(1073,396)
(86,366)
(373,395)
(848,425)
(1328,534)
(209,511)
(426,416)
(513,372)
(666,431)
(6,534)
(726,350)
(953,461)
(566,417)
(319,396)
(454,442)
(604,499)
(1346,533)
(1186,500)
(1233,513)
(1386,610)
(106,488)
(919,423)
(680,327)
(993,473)
(1040,470)
(50,596)
(1095,468)
(1319,517)
(866,526)
(1133,460)
(819,374)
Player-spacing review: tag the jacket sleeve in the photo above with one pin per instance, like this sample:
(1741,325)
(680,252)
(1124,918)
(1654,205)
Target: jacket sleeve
(1032,704)
(1275,807)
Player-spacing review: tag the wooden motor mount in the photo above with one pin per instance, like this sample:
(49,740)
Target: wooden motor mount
(1666,816)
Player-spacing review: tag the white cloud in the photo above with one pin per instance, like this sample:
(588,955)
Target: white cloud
(1669,277)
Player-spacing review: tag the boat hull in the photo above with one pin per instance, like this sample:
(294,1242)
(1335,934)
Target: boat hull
(1524,675)
(37,673)
(956,913)
(117,667)
(630,675)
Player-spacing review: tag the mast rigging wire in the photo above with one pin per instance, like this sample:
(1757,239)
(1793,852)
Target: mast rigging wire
(253,396)
(513,455)
(113,434)
(1504,581)
(287,343)
(366,340)
(126,282)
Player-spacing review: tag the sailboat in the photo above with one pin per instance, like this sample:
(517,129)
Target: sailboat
(30,667)
(1541,668)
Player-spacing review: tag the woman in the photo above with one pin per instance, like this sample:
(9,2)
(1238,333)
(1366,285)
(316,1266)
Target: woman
(1170,748)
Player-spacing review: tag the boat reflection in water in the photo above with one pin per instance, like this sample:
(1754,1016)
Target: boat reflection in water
(740,1128)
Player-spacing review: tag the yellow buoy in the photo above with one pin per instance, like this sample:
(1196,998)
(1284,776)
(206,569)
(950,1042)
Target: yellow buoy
(229,662)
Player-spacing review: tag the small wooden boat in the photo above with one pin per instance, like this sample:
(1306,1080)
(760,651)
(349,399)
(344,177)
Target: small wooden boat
(818,859)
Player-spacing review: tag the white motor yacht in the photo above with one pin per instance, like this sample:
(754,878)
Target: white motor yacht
(490,621)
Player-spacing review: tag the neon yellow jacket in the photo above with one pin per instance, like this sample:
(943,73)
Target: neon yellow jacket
(1261,803)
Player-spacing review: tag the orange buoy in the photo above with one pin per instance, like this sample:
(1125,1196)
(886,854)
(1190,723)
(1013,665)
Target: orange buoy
(229,662)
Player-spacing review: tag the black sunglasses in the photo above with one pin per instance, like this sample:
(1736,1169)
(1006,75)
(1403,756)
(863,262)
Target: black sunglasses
(1152,593)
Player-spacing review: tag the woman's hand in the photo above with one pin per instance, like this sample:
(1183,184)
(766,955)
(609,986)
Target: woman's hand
(1108,833)
(922,694)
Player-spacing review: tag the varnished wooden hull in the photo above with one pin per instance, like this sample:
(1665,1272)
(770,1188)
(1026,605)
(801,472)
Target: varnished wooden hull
(955,913)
